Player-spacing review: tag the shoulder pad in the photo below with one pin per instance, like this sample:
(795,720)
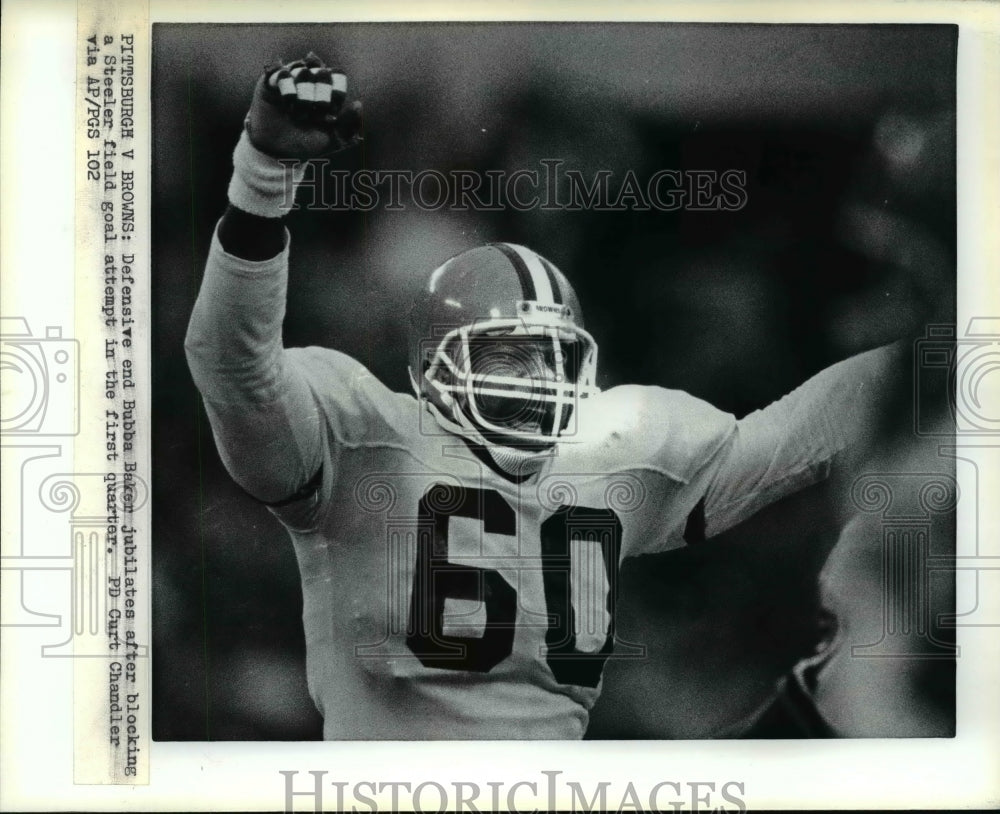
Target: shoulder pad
(635,427)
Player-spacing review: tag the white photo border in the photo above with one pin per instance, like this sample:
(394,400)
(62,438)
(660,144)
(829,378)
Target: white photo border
(40,43)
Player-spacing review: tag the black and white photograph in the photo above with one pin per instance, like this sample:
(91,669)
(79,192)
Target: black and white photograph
(499,406)
(553,381)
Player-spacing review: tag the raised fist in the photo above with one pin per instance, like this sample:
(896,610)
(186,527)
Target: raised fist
(298,111)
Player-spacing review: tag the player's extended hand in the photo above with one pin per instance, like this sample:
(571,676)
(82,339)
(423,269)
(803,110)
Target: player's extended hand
(298,111)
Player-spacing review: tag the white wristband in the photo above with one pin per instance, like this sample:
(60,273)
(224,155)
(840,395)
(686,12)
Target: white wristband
(262,185)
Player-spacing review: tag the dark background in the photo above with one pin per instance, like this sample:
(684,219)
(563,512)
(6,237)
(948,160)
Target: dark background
(847,240)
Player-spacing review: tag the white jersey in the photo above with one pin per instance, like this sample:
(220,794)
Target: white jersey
(443,598)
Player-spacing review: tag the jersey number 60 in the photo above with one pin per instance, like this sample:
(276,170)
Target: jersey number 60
(435,580)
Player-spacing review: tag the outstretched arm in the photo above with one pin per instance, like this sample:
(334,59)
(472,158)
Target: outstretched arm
(799,439)
(267,427)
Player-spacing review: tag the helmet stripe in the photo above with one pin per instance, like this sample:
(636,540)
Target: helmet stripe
(551,274)
(523,274)
(543,289)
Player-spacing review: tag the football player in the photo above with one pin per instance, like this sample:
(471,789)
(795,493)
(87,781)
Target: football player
(459,546)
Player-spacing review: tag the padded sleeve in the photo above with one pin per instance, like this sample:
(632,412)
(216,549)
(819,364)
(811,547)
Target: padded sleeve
(266,421)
